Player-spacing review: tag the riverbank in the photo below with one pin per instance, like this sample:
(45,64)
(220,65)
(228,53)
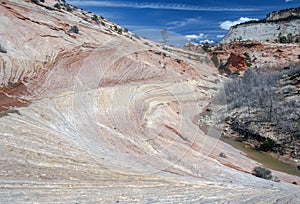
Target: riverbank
(268,160)
(282,168)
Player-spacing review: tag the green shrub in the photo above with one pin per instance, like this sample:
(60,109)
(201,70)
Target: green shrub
(267,145)
(74,29)
(290,38)
(205,47)
(248,59)
(215,60)
(282,39)
(237,72)
(68,7)
(95,18)
(262,173)
(57,5)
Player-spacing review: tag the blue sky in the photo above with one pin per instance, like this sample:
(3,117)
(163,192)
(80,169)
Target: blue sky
(194,20)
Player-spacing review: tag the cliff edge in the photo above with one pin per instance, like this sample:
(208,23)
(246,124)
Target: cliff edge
(278,26)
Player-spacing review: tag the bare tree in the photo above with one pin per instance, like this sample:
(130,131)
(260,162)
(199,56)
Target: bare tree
(164,35)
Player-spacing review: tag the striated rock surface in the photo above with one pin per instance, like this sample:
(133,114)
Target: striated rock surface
(269,31)
(100,116)
(276,25)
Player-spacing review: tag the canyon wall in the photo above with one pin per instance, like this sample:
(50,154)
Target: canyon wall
(275,25)
(269,31)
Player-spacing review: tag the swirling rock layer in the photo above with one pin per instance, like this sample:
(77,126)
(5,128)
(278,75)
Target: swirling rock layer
(99,117)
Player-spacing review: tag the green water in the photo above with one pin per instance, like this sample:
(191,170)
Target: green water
(265,159)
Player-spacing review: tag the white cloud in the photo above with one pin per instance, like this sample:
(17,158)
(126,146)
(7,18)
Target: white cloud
(220,36)
(227,24)
(288,0)
(195,37)
(200,38)
(172,6)
(206,41)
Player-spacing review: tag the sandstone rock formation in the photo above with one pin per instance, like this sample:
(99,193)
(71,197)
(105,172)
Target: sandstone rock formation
(282,14)
(101,116)
(235,63)
(277,24)
(261,56)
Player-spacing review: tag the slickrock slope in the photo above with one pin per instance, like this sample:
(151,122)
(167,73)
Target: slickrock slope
(101,117)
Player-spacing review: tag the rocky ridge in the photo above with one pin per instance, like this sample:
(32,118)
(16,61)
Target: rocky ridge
(276,27)
(283,14)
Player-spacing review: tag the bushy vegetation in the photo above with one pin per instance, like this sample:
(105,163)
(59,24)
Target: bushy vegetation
(262,173)
(282,39)
(74,29)
(205,47)
(69,8)
(290,38)
(95,18)
(119,30)
(267,145)
(57,5)
(266,102)
(62,4)
(215,60)
(248,59)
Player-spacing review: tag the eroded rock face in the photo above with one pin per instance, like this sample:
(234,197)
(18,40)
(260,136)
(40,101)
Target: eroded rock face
(283,23)
(110,119)
(262,57)
(267,31)
(236,63)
